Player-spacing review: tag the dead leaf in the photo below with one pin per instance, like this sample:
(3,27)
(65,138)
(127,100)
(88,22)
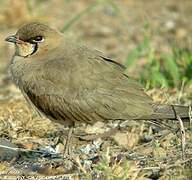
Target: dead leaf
(126,139)
(159,153)
(97,128)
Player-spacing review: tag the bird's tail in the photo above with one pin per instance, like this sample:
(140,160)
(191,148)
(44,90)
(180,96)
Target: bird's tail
(170,112)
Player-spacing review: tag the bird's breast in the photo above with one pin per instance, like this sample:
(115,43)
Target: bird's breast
(17,69)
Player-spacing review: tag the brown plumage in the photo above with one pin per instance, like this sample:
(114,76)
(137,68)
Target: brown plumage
(72,83)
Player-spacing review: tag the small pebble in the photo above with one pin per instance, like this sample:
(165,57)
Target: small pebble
(8,150)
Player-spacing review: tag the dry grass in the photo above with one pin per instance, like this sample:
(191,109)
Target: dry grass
(138,150)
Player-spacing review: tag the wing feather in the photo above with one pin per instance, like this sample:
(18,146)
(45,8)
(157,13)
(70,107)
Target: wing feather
(86,87)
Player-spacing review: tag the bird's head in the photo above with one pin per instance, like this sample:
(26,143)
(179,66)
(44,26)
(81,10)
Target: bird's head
(34,39)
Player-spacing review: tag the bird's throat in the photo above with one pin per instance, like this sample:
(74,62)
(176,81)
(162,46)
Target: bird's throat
(26,50)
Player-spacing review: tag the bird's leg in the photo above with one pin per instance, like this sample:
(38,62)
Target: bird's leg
(67,150)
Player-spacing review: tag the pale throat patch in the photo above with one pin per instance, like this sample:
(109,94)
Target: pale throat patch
(24,49)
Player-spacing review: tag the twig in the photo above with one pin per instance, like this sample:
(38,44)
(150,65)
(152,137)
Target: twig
(181,91)
(77,161)
(12,148)
(92,137)
(160,124)
(190,116)
(24,150)
(183,139)
(164,166)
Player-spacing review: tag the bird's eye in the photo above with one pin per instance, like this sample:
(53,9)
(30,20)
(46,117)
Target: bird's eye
(38,39)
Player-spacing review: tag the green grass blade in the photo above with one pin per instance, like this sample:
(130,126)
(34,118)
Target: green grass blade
(171,67)
(136,53)
(77,16)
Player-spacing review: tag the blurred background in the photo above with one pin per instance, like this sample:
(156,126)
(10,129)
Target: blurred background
(151,38)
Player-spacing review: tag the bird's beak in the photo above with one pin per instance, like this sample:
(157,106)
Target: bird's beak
(11,39)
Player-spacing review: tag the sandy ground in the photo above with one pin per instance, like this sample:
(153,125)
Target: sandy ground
(115,28)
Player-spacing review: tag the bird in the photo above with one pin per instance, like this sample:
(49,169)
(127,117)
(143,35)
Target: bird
(69,82)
